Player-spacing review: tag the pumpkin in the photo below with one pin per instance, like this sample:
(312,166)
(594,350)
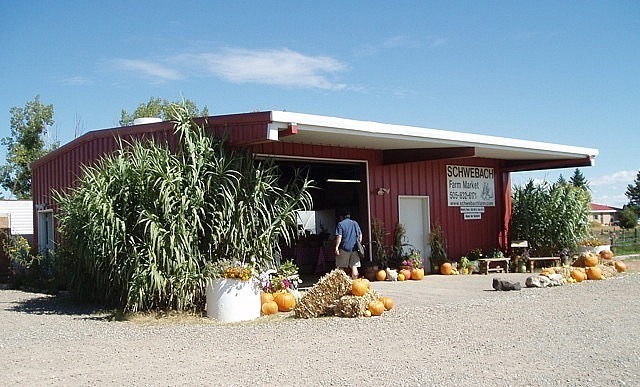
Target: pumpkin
(265,297)
(381,275)
(359,287)
(367,313)
(376,307)
(594,273)
(620,266)
(446,269)
(406,273)
(387,302)
(417,274)
(578,275)
(269,307)
(606,254)
(286,301)
(590,259)
(400,277)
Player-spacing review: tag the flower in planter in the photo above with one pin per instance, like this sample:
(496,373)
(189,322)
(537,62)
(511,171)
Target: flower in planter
(413,260)
(591,242)
(284,278)
(232,269)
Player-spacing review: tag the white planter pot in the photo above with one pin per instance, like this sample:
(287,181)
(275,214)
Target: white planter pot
(586,249)
(231,300)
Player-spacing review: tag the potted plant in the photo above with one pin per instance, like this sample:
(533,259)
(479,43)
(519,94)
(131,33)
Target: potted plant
(438,244)
(233,291)
(464,264)
(413,262)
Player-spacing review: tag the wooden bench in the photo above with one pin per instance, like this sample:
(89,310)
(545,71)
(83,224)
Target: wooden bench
(499,265)
(555,261)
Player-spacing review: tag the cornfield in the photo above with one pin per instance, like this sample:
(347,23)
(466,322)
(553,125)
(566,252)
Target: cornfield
(141,225)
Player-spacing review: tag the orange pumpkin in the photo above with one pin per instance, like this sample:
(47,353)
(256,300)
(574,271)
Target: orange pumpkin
(376,308)
(381,275)
(594,273)
(606,254)
(620,266)
(265,297)
(269,307)
(400,277)
(417,274)
(387,302)
(359,287)
(286,301)
(578,275)
(446,269)
(590,259)
(406,273)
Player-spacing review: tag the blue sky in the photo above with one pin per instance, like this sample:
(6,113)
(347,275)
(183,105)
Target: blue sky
(560,72)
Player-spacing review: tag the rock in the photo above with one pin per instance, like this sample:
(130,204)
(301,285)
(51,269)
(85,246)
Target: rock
(503,284)
(556,279)
(537,281)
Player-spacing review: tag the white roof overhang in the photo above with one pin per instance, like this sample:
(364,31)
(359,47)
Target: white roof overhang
(401,139)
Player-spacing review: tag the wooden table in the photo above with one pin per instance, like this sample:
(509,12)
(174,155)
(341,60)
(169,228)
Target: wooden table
(499,265)
(532,260)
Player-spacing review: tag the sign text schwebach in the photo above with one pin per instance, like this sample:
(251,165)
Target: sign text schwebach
(470,186)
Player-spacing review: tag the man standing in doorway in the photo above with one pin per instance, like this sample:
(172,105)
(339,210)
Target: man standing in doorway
(348,233)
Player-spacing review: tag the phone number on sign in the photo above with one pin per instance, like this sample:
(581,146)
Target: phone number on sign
(463,195)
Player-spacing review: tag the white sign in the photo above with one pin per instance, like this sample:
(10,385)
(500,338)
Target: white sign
(472,215)
(470,186)
(465,210)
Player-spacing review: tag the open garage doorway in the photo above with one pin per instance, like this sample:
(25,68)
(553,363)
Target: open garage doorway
(339,186)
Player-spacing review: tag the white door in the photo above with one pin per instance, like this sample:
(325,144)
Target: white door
(414,216)
(45,231)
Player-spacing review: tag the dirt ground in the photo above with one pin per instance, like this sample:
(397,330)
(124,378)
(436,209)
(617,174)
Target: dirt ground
(444,330)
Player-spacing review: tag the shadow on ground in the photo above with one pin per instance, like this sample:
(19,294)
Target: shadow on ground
(42,304)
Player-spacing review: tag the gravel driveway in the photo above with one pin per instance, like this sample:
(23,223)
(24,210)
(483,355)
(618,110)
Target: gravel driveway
(449,331)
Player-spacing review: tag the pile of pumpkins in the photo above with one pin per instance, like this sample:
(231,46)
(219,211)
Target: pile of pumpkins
(360,287)
(273,303)
(588,266)
(404,274)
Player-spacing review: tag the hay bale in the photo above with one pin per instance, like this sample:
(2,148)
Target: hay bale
(321,298)
(608,271)
(355,306)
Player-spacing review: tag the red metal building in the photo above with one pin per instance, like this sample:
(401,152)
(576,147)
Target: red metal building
(398,174)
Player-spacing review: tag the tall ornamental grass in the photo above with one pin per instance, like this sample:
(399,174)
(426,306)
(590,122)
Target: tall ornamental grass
(550,217)
(141,225)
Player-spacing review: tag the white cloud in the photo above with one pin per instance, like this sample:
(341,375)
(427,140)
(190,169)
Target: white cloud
(77,81)
(281,67)
(402,41)
(625,177)
(156,71)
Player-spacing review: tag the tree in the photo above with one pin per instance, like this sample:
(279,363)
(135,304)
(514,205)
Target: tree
(578,180)
(561,180)
(25,145)
(633,193)
(160,108)
(628,218)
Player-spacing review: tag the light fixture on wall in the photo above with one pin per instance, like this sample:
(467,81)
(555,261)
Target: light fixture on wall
(383,191)
(343,181)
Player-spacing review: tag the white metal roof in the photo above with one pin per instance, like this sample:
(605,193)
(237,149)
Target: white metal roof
(333,131)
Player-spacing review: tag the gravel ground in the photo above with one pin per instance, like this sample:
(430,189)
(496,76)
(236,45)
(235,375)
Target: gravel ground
(444,331)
